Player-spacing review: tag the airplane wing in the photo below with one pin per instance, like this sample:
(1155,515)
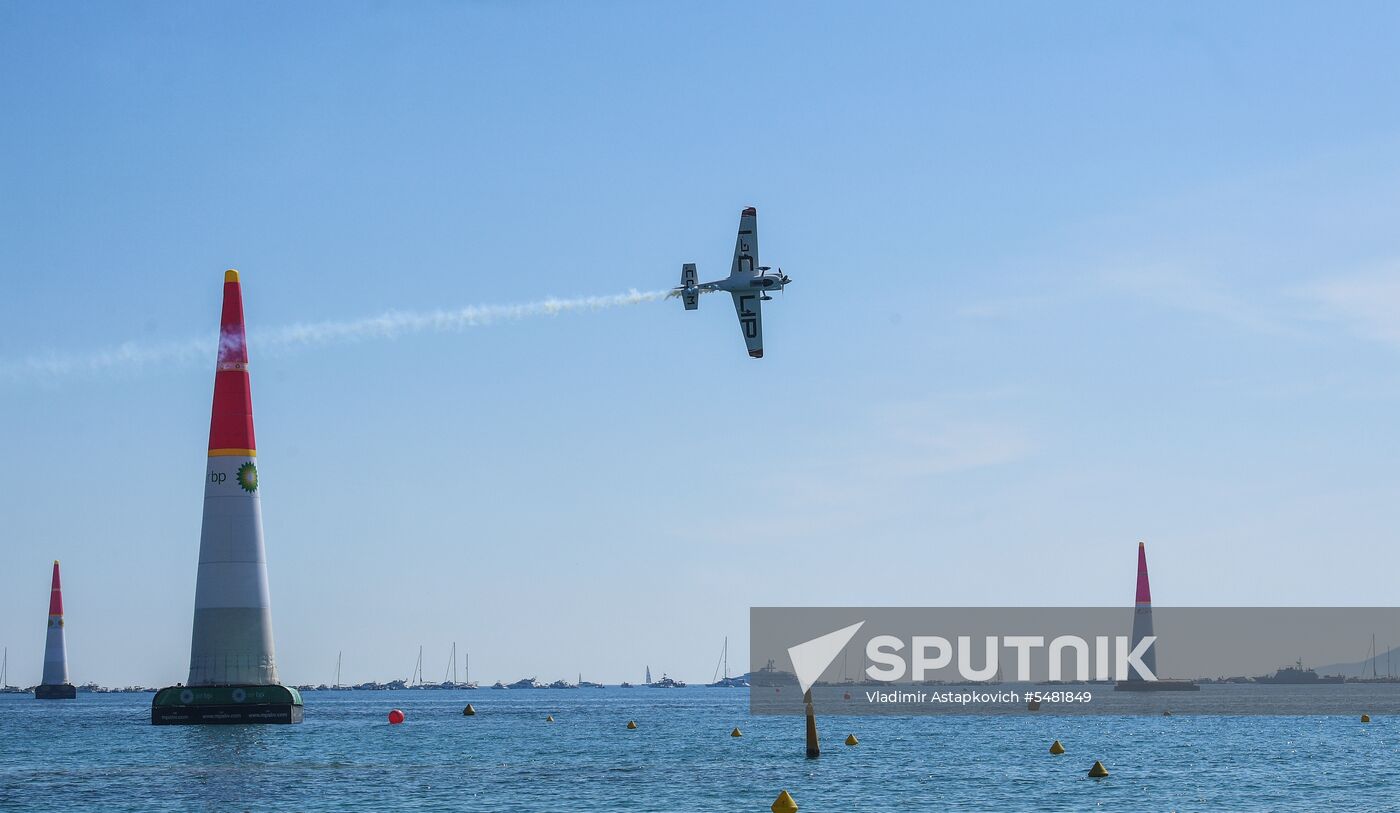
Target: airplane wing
(746,246)
(749,308)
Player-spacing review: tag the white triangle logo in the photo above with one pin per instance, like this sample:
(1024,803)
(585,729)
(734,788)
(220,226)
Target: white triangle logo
(811,658)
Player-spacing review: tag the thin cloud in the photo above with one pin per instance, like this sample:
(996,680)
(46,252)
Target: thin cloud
(1368,304)
(1172,287)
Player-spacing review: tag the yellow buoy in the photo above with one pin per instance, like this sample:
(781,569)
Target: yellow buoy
(468,711)
(784,803)
(736,732)
(1365,718)
(1098,770)
(631,725)
(1056,748)
(851,740)
(549,718)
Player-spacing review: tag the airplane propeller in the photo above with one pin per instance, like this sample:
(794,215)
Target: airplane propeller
(783,279)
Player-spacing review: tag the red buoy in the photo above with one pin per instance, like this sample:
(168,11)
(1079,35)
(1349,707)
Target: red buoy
(395,717)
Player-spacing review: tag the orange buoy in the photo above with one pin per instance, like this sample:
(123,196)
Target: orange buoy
(395,717)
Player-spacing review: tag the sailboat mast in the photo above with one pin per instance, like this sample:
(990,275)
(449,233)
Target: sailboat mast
(338,656)
(726,657)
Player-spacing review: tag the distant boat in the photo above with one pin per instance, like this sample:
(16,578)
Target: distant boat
(449,678)
(5,687)
(338,687)
(526,683)
(770,675)
(499,685)
(562,684)
(1296,675)
(667,683)
(1372,659)
(625,685)
(467,672)
(1137,684)
(587,684)
(727,682)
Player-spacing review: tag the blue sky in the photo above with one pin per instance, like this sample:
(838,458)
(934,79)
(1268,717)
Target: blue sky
(1066,278)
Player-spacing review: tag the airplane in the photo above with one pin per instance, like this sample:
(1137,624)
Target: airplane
(748,283)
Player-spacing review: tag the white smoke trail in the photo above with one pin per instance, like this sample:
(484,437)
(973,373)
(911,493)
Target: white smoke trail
(391,324)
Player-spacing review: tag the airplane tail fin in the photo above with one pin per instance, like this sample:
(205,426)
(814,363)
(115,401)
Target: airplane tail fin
(690,294)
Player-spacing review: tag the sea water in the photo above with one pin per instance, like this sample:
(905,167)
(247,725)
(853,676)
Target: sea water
(100,753)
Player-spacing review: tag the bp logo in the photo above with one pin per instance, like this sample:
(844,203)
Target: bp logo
(248,477)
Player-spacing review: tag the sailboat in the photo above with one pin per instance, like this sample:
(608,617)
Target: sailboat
(5,672)
(1373,658)
(467,672)
(449,678)
(416,681)
(587,684)
(727,682)
(337,687)
(5,687)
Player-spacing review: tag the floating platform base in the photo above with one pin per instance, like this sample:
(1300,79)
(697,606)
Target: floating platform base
(55,691)
(226,705)
(1156,686)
